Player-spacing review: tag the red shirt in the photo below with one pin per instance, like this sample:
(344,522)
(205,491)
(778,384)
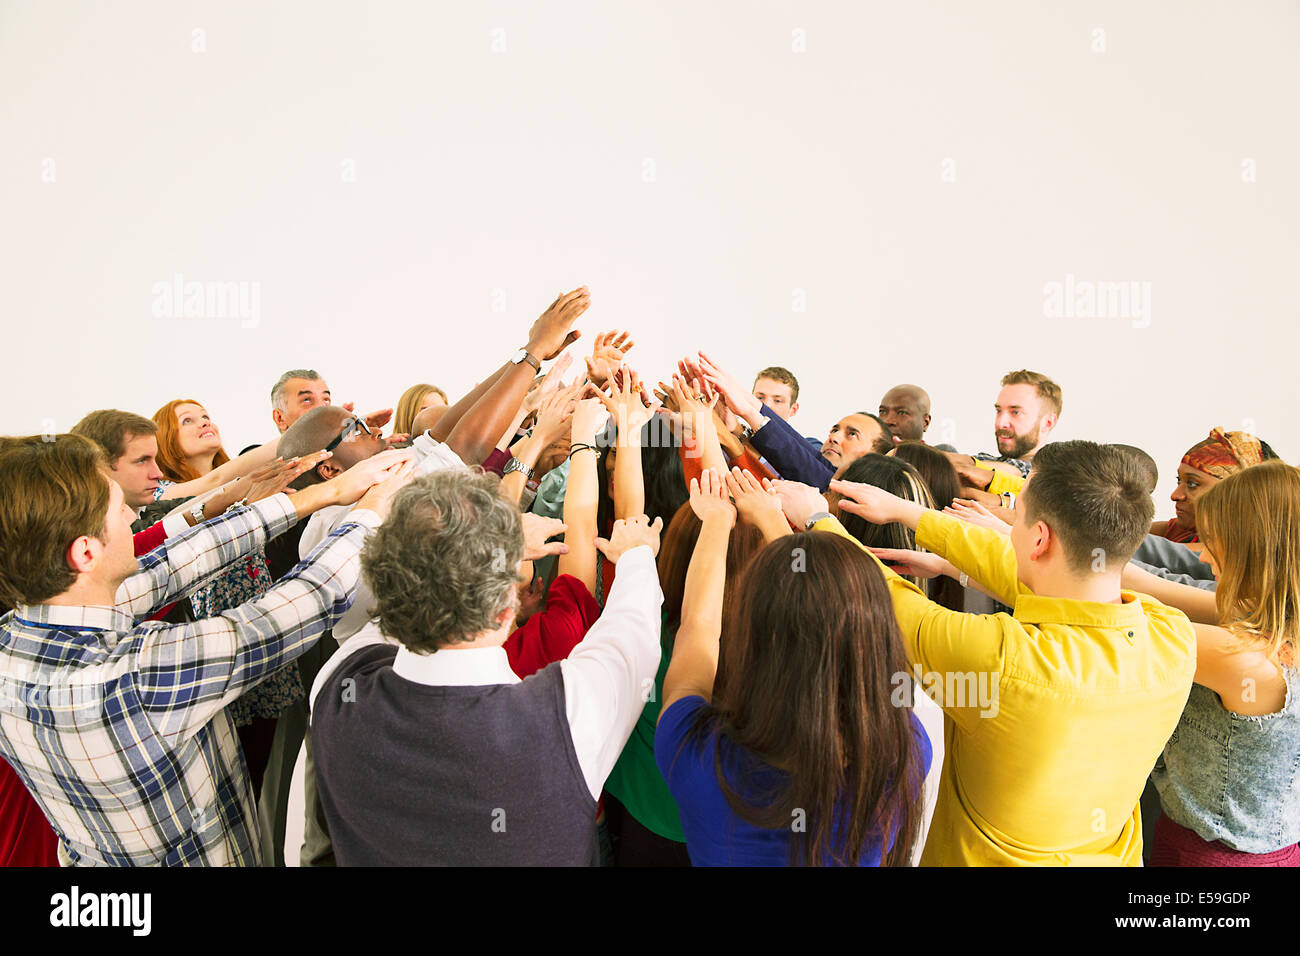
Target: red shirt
(550,635)
(26,838)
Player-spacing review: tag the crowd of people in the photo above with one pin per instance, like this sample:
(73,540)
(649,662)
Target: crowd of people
(596,619)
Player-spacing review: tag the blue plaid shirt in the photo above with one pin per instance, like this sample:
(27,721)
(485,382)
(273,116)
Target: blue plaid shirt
(119,728)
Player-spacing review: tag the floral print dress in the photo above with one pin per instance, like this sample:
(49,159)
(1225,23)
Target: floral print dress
(246,580)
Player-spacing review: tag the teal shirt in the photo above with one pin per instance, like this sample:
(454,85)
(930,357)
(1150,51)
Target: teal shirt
(636,780)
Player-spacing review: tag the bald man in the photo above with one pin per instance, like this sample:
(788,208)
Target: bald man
(906,410)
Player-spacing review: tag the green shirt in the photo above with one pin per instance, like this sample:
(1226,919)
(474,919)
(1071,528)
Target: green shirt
(636,781)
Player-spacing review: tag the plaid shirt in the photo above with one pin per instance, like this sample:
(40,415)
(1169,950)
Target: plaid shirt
(119,729)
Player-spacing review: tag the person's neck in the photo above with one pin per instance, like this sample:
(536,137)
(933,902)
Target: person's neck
(483,639)
(202,464)
(87,593)
(1100,588)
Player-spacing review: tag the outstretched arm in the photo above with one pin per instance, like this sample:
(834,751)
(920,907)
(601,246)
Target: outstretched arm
(694,666)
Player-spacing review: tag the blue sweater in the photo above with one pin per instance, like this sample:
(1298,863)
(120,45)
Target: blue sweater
(715,835)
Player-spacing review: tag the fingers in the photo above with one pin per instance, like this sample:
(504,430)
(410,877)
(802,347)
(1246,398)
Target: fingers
(550,549)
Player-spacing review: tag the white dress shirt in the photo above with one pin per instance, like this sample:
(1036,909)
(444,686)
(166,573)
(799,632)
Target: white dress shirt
(605,677)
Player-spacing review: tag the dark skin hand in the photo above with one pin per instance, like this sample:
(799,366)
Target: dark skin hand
(474,424)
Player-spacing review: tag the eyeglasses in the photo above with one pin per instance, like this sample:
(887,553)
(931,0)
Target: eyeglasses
(352,426)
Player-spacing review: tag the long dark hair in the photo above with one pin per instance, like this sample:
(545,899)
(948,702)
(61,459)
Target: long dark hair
(812,651)
(898,478)
(941,478)
(661,470)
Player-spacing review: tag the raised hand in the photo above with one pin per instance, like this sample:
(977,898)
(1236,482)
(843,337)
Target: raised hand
(375,420)
(630,533)
(589,417)
(738,398)
(607,355)
(554,414)
(756,504)
(912,564)
(391,477)
(551,383)
(626,402)
(709,498)
(274,477)
(799,502)
(553,331)
(867,501)
(976,514)
(536,530)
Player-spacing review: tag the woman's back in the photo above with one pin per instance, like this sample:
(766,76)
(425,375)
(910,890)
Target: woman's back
(715,834)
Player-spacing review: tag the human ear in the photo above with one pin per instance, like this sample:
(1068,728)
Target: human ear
(328,469)
(81,554)
(1042,540)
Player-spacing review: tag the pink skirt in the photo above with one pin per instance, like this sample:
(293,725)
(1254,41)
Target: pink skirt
(1173,845)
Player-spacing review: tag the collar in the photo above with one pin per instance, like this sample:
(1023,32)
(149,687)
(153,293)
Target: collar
(1127,616)
(457,667)
(75,617)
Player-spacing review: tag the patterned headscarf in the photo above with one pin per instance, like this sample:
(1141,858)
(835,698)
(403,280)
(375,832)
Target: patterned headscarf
(1224,453)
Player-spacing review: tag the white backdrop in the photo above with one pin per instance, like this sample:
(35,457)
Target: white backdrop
(865,193)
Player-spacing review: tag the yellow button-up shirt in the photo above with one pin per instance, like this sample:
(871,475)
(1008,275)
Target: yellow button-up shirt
(1054,715)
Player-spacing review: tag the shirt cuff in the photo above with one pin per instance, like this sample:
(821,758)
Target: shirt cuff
(364,517)
(175,524)
(277,513)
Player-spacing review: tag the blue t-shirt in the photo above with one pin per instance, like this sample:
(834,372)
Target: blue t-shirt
(715,835)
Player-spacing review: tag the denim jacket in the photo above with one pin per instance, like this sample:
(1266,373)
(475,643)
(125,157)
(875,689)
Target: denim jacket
(1234,778)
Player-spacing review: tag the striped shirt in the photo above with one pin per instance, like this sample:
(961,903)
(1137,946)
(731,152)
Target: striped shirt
(118,725)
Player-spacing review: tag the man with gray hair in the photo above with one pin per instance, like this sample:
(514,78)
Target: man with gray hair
(430,750)
(299,390)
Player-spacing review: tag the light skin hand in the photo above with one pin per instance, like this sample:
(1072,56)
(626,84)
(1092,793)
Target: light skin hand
(756,504)
(799,501)
(357,480)
(589,417)
(976,514)
(709,499)
(738,398)
(631,533)
(914,564)
(875,504)
(607,355)
(380,496)
(536,530)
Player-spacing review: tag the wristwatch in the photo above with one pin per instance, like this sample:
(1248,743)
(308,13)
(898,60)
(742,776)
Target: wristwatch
(814,518)
(523,355)
(513,465)
(197,513)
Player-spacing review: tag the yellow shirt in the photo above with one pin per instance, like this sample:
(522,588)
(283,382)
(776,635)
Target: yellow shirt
(1055,714)
(1002,480)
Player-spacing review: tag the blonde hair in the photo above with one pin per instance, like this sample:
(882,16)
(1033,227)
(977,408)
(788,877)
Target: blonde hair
(408,406)
(1251,521)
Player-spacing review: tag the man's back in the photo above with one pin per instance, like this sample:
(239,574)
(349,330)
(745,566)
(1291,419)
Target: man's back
(1057,711)
(415,774)
(1087,695)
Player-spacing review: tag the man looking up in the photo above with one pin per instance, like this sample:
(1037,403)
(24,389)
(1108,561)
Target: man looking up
(299,390)
(778,389)
(1083,683)
(785,449)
